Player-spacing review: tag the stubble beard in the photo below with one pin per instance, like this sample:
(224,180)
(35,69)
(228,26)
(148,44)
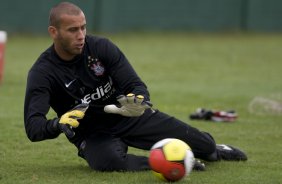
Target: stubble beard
(66,47)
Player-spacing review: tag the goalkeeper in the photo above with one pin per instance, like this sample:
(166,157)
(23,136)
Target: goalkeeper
(102,105)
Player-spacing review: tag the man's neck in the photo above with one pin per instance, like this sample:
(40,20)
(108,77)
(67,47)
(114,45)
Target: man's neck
(62,54)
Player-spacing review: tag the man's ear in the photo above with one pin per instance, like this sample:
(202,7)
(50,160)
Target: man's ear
(52,31)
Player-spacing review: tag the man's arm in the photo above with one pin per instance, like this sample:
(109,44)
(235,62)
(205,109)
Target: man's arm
(134,98)
(36,106)
(121,71)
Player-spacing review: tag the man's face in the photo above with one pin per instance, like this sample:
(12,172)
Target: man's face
(69,37)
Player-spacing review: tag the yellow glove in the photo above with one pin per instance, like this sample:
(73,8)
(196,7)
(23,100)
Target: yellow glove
(131,106)
(69,119)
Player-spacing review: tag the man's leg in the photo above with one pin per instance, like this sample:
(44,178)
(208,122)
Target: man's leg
(104,152)
(152,127)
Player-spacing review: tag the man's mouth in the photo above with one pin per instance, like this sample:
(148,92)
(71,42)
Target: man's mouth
(79,46)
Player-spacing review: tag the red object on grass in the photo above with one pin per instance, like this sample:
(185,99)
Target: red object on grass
(3,38)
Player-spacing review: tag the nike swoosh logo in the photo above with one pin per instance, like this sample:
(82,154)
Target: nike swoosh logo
(68,84)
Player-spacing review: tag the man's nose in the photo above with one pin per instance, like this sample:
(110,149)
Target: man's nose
(81,34)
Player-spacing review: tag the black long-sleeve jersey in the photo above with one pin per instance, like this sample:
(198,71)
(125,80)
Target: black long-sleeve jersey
(97,76)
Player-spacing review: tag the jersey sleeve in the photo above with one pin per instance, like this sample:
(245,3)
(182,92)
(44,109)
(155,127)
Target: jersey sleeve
(36,107)
(121,71)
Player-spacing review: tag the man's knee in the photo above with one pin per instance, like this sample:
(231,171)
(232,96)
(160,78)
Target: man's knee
(107,162)
(106,157)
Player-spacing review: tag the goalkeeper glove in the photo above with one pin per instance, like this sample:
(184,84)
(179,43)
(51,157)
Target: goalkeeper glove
(130,106)
(69,119)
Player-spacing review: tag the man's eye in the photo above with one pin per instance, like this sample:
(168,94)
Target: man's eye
(72,29)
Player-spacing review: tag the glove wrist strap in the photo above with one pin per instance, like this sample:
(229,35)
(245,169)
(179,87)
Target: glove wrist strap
(52,127)
(55,125)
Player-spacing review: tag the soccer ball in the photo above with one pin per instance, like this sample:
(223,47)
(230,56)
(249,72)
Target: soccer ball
(171,159)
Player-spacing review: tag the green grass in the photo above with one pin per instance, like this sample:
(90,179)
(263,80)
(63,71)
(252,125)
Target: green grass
(183,72)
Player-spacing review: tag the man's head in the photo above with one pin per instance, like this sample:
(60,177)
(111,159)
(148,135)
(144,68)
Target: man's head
(67,27)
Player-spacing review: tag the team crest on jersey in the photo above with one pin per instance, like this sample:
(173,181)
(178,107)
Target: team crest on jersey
(96,66)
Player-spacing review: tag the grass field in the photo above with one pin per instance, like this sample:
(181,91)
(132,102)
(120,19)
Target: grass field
(183,72)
